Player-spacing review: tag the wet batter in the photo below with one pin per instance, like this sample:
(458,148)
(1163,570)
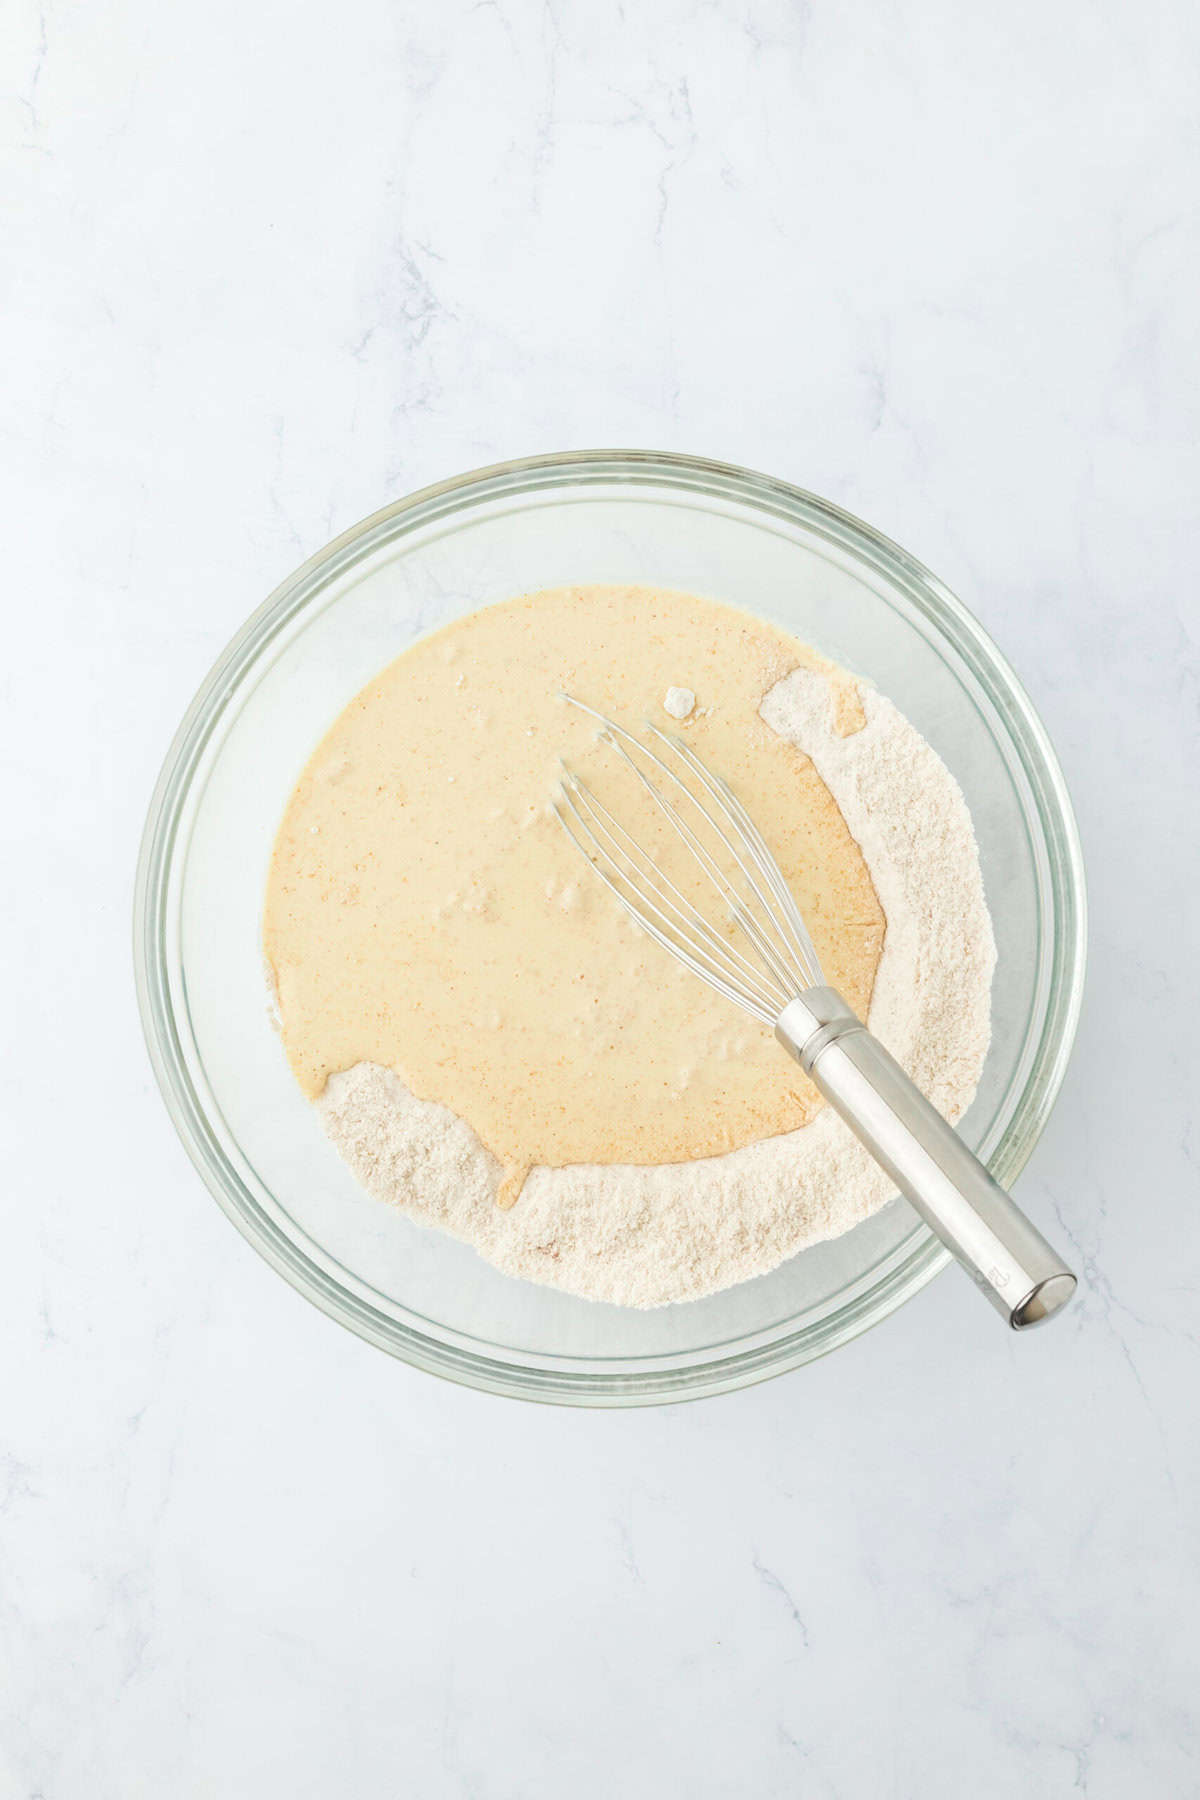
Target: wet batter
(426,912)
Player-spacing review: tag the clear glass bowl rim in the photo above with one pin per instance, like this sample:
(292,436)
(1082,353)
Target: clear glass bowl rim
(632,1381)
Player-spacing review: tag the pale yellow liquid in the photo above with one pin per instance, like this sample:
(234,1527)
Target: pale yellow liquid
(426,911)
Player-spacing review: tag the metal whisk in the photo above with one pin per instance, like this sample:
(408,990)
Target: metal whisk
(766,964)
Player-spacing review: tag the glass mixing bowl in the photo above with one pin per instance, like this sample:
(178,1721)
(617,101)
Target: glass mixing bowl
(602,516)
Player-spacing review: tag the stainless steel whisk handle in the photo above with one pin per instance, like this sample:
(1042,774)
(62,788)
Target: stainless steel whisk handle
(1023,1277)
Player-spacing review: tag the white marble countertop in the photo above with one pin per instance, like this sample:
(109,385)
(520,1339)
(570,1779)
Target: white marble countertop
(270,266)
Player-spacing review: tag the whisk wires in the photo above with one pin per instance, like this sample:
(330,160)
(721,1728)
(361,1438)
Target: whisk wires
(773,960)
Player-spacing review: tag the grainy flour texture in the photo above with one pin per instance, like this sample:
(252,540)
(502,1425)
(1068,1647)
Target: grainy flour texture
(646,1236)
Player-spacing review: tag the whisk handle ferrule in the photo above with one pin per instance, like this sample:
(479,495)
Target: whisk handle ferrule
(1009,1259)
